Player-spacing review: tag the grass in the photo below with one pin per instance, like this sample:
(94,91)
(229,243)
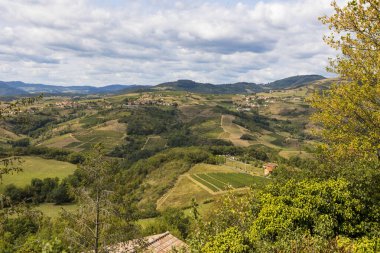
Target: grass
(210,128)
(182,193)
(154,142)
(60,141)
(185,189)
(51,210)
(203,210)
(244,167)
(7,135)
(222,181)
(36,167)
(160,180)
(234,131)
(301,154)
(205,168)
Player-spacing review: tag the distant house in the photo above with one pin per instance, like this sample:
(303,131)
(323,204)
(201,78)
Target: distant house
(161,243)
(269,167)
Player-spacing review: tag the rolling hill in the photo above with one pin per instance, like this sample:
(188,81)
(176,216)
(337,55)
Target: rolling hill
(237,88)
(294,82)
(16,88)
(208,88)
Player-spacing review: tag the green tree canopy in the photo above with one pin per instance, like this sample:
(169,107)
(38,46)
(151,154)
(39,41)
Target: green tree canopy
(350,112)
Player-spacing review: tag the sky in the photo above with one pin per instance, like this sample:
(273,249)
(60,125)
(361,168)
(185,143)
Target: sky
(99,42)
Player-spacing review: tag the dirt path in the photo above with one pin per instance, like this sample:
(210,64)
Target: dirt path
(73,137)
(145,143)
(207,175)
(162,200)
(232,131)
(202,185)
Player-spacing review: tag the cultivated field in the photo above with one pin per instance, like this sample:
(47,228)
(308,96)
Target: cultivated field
(205,182)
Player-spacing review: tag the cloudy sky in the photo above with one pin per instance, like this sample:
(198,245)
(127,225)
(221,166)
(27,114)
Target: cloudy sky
(98,42)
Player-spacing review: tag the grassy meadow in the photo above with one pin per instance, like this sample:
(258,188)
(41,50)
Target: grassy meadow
(36,167)
(52,211)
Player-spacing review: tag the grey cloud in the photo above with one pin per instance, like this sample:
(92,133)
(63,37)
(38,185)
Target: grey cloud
(74,42)
(229,46)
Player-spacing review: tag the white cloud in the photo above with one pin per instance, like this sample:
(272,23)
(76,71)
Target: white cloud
(148,41)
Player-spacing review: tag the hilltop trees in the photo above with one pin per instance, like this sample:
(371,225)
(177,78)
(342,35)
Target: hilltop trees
(350,111)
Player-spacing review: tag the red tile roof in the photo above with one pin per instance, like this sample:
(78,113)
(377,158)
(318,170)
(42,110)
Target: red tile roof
(270,166)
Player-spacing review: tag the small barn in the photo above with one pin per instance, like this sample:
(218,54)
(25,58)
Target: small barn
(269,167)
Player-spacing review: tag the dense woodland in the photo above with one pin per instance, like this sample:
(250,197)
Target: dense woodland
(328,202)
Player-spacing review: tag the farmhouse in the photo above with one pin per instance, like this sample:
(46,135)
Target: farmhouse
(161,243)
(269,167)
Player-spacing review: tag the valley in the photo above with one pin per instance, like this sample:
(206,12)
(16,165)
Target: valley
(202,126)
(146,124)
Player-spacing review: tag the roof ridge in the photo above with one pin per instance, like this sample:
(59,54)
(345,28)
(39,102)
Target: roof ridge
(158,238)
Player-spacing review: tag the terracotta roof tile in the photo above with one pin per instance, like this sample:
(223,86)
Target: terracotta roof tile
(161,243)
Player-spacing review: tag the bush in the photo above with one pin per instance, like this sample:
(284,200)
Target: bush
(24,142)
(248,137)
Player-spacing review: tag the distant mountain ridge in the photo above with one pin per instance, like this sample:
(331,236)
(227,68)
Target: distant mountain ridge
(238,88)
(208,88)
(294,82)
(16,88)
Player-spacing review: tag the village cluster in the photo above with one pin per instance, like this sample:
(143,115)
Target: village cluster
(148,99)
(248,102)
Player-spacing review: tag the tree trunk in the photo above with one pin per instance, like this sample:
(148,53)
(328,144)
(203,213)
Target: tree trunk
(97,222)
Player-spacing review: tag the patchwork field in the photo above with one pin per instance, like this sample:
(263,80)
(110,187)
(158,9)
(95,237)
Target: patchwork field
(87,139)
(36,167)
(60,141)
(205,182)
(110,133)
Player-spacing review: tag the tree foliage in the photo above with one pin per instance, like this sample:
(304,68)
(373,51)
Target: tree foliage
(350,111)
